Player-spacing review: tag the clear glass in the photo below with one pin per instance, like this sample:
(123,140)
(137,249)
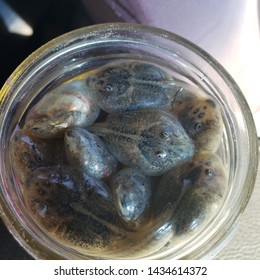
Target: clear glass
(74,53)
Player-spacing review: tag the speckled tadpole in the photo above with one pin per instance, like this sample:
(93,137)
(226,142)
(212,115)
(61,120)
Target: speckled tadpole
(132,192)
(130,85)
(88,152)
(201,118)
(151,140)
(192,192)
(66,106)
(78,210)
(28,153)
(74,207)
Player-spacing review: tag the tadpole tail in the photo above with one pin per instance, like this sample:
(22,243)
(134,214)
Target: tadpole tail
(171,84)
(99,129)
(131,244)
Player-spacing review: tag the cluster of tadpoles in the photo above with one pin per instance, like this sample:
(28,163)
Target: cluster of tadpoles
(120,162)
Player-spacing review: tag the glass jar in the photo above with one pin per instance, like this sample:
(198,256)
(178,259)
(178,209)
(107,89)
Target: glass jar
(73,54)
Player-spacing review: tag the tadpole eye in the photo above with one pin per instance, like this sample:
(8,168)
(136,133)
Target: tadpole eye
(42,192)
(36,129)
(110,70)
(160,154)
(109,88)
(165,134)
(70,133)
(209,172)
(38,158)
(198,126)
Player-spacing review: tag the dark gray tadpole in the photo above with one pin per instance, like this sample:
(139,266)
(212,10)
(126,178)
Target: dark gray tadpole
(192,192)
(128,85)
(151,140)
(89,153)
(132,193)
